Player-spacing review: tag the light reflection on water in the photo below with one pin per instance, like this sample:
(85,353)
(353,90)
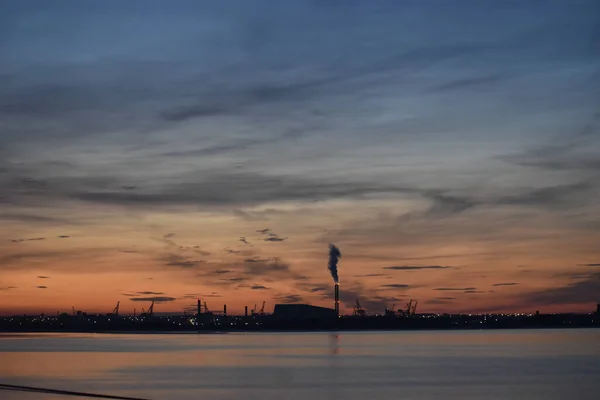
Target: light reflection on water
(548,364)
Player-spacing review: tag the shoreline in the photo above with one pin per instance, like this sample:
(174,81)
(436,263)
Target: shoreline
(6,333)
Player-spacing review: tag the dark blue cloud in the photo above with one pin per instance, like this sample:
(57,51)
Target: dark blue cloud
(584,291)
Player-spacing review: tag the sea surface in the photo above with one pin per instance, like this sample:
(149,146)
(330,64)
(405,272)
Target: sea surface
(523,364)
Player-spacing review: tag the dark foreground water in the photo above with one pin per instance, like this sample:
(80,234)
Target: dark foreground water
(544,364)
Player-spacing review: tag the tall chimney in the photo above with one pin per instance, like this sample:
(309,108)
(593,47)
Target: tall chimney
(337,299)
(199,307)
(225,309)
(245,311)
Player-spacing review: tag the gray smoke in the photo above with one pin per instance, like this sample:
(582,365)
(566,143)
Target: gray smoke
(334,256)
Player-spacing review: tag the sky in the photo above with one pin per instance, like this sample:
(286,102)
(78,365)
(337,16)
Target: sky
(168,151)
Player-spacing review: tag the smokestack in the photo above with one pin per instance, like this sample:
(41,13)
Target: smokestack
(334,256)
(199,307)
(336,288)
(225,309)
(245,311)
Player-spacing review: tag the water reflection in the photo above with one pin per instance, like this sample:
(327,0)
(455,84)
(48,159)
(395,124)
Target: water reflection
(334,343)
(425,365)
(334,366)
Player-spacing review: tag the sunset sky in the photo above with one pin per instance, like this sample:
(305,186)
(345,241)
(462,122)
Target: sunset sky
(176,150)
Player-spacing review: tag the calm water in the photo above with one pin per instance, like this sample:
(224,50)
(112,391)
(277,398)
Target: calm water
(545,364)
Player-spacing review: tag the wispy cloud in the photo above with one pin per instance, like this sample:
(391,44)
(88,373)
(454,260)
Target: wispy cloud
(186,264)
(180,260)
(584,291)
(289,298)
(157,299)
(396,286)
(33,218)
(235,279)
(260,267)
(27,240)
(477,82)
(271,236)
(175,255)
(257,260)
(410,268)
(222,271)
(274,239)
(369,298)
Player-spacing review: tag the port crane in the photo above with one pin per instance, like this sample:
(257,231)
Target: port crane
(390,312)
(410,309)
(358,310)
(202,307)
(115,311)
(150,311)
(262,309)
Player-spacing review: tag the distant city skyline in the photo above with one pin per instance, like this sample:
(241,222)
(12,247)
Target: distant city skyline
(171,151)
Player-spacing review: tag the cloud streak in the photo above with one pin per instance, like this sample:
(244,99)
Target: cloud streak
(148,293)
(156,299)
(412,268)
(396,286)
(585,291)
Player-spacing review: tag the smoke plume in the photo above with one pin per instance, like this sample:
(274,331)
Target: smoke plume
(334,256)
